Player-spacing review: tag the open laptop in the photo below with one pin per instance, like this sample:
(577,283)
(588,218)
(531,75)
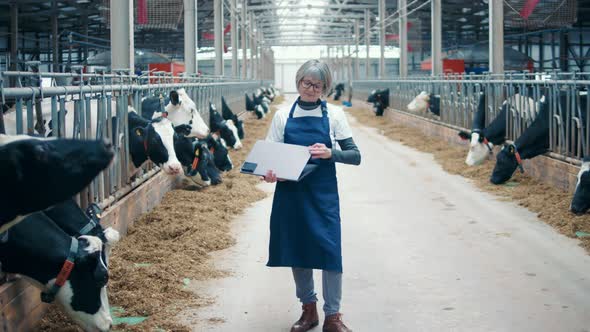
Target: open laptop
(287,161)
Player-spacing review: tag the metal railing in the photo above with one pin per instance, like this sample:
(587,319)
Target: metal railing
(566,94)
(93,107)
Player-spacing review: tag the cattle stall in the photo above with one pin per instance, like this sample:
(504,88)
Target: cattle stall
(566,94)
(106,96)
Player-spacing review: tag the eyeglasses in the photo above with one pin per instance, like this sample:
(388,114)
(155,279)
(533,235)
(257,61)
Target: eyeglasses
(316,87)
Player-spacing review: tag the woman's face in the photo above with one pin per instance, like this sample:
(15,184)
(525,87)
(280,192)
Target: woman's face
(310,89)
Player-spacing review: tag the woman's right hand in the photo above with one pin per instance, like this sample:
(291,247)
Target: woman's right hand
(270,177)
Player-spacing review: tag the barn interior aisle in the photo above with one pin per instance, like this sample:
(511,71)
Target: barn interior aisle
(432,253)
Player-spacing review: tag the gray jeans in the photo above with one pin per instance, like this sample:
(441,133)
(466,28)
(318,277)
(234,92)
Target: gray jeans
(331,286)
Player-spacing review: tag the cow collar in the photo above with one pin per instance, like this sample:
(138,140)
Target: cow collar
(518,158)
(196,160)
(485,139)
(48,295)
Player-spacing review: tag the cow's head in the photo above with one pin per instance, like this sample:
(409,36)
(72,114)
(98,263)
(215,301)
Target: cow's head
(419,103)
(479,147)
(84,296)
(581,200)
(507,161)
(226,128)
(158,141)
(25,163)
(38,249)
(221,157)
(185,112)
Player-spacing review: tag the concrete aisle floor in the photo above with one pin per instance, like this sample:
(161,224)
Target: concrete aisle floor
(423,251)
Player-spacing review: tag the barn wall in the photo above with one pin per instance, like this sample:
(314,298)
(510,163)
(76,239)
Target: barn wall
(546,169)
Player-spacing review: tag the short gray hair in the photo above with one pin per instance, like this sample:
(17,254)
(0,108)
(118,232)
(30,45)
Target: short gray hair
(315,69)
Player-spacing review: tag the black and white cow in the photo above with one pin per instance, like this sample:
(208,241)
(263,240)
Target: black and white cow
(260,100)
(76,222)
(180,109)
(195,156)
(218,148)
(339,88)
(425,101)
(68,269)
(581,199)
(380,100)
(154,140)
(483,139)
(227,114)
(225,128)
(251,106)
(37,173)
(533,142)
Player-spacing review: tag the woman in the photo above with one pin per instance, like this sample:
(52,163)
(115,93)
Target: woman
(305,218)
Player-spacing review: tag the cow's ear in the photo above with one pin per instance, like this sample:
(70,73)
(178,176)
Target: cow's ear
(138,131)
(464,135)
(511,149)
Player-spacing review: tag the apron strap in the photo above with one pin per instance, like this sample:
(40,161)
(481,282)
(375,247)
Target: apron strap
(293,109)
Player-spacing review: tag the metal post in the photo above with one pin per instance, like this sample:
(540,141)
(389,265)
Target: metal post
(234,39)
(496,33)
(403,39)
(55,37)
(367,41)
(13,37)
(218,30)
(244,41)
(382,39)
(563,47)
(436,33)
(258,53)
(357,37)
(122,47)
(190,37)
(252,47)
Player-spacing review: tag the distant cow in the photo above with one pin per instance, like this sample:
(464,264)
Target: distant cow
(226,128)
(581,199)
(68,269)
(227,114)
(380,100)
(251,106)
(339,88)
(38,173)
(423,102)
(533,142)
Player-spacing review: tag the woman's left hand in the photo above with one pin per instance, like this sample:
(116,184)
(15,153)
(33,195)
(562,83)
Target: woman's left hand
(320,150)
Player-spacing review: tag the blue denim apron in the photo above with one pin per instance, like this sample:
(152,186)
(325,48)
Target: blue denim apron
(305,218)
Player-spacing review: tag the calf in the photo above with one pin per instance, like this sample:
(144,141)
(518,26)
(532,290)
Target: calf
(533,142)
(380,100)
(229,115)
(581,199)
(226,128)
(68,269)
(261,100)
(38,173)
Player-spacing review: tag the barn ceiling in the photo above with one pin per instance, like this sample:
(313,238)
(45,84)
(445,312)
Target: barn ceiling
(282,22)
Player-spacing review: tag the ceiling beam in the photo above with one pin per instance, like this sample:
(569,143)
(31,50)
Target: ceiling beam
(333,6)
